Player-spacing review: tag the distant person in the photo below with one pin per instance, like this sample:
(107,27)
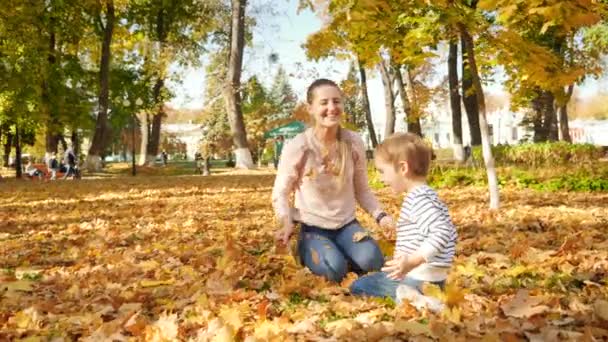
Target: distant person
(52,165)
(70,165)
(278,148)
(164,157)
(32,171)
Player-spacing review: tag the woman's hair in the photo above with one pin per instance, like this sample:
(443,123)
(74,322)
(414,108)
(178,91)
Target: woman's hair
(407,147)
(344,148)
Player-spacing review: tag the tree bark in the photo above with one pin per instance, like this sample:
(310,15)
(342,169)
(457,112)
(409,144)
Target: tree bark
(8,145)
(483,124)
(154,137)
(52,121)
(468,97)
(145,132)
(232,94)
(413,122)
(96,151)
(389,99)
(405,102)
(17,138)
(366,106)
(551,118)
(544,116)
(455,103)
(563,116)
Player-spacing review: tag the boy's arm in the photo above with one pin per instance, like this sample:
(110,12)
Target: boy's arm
(430,215)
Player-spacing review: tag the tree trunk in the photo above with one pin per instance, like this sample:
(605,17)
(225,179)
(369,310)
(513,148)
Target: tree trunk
(232,94)
(94,162)
(455,103)
(389,99)
(154,137)
(75,142)
(550,116)
(413,122)
(52,121)
(407,108)
(17,152)
(145,133)
(563,116)
(483,124)
(468,97)
(544,116)
(8,145)
(366,106)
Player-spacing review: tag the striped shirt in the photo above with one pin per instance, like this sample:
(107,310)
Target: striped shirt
(425,227)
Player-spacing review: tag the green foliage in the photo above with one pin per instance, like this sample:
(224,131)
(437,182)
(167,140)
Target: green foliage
(542,154)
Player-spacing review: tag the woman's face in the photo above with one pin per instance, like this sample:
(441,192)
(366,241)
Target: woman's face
(326,107)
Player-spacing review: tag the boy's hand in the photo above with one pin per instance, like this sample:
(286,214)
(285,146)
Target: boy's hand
(400,266)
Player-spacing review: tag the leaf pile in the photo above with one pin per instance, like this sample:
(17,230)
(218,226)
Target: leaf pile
(193,259)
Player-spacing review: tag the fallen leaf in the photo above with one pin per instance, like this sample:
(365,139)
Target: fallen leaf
(413,328)
(154,283)
(524,306)
(358,236)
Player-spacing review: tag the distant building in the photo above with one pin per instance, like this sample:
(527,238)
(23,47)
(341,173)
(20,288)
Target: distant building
(188,133)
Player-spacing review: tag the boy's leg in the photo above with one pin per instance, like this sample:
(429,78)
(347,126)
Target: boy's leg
(375,285)
(361,249)
(321,256)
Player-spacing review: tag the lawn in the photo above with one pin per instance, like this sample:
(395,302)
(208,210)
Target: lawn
(193,258)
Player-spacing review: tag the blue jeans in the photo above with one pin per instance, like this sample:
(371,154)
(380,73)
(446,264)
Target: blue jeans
(329,253)
(379,285)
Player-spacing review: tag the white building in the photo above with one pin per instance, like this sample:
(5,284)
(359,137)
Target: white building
(188,133)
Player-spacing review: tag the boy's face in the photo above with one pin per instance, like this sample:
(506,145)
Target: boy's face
(391,176)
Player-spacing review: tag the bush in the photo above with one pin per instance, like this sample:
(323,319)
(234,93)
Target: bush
(542,154)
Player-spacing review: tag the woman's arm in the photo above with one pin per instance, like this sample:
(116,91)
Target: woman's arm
(289,171)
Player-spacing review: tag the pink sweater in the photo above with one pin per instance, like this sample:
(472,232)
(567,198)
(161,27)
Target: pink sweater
(319,200)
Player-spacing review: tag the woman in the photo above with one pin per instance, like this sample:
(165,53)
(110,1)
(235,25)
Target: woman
(327,169)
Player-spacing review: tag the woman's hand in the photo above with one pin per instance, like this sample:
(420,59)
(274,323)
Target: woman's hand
(389,227)
(283,234)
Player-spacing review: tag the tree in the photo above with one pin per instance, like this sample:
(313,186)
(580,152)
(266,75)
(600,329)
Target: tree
(353,100)
(483,124)
(282,95)
(232,96)
(455,101)
(101,128)
(389,96)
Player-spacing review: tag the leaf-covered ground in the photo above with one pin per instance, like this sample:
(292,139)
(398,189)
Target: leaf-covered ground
(193,258)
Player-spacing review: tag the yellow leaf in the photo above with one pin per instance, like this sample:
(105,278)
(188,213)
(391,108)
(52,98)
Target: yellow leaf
(153,283)
(19,285)
(233,317)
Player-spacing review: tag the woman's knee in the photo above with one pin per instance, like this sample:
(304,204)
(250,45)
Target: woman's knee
(324,260)
(368,256)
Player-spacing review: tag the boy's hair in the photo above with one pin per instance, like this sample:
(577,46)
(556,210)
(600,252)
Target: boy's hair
(407,147)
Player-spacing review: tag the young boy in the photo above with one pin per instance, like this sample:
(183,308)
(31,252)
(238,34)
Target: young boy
(426,236)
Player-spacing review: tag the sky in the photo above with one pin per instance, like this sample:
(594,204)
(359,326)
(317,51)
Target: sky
(282,30)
